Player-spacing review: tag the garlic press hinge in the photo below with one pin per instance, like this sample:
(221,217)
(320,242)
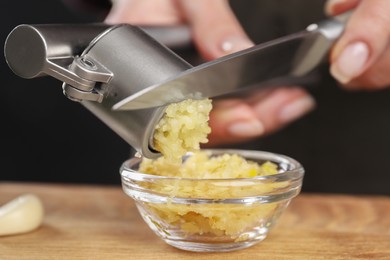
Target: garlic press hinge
(81,77)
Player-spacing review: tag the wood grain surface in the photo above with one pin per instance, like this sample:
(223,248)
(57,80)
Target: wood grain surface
(100,222)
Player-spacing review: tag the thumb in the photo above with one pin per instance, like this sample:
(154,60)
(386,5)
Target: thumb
(216,30)
(364,41)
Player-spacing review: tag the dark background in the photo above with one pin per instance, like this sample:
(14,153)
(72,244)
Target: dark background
(344,144)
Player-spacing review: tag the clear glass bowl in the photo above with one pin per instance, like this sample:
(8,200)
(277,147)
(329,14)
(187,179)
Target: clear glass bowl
(230,214)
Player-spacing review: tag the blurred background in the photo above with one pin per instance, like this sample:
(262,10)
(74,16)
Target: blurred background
(344,144)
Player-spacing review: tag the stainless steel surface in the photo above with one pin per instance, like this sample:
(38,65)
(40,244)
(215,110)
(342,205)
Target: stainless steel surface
(100,66)
(30,49)
(282,62)
(136,61)
(34,51)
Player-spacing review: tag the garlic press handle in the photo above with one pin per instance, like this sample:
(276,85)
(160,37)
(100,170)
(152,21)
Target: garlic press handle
(38,50)
(48,49)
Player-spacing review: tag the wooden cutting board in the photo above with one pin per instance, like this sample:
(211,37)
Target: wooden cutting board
(101,222)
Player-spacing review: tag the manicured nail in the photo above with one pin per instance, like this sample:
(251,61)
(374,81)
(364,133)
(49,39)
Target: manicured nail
(296,109)
(350,63)
(247,128)
(234,44)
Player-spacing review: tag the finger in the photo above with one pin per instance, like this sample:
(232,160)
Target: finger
(145,12)
(216,30)
(364,41)
(237,120)
(335,7)
(376,77)
(233,121)
(282,106)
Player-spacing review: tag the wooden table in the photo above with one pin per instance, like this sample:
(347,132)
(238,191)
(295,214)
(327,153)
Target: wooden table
(99,222)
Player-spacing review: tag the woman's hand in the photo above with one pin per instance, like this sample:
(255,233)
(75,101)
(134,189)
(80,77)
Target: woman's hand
(361,57)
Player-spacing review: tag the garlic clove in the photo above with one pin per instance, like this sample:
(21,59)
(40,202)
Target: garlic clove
(20,215)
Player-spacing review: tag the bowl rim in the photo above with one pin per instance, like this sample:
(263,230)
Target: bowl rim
(127,173)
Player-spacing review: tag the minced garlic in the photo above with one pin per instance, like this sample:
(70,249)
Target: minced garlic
(200,165)
(215,219)
(183,128)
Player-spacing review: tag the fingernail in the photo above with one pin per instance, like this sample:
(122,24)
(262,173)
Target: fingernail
(296,109)
(234,44)
(246,128)
(350,63)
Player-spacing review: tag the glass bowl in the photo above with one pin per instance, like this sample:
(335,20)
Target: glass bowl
(225,215)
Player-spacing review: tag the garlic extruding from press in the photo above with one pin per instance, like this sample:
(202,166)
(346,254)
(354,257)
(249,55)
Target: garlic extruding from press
(20,215)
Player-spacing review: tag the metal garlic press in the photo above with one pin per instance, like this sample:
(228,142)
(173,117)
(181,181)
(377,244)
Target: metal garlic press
(126,74)
(101,65)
